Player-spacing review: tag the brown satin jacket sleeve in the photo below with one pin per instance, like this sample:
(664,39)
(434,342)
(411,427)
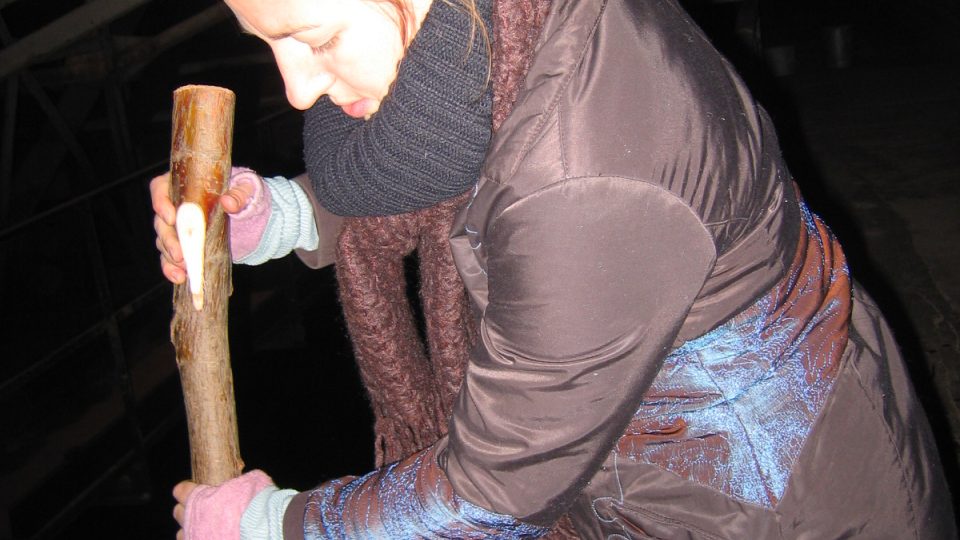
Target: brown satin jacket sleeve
(328,227)
(589,280)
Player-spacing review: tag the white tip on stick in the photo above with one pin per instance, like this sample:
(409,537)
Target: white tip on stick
(192,231)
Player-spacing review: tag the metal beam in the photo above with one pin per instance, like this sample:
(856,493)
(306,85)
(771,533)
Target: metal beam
(133,53)
(116,108)
(53,114)
(56,121)
(6,146)
(63,31)
(136,57)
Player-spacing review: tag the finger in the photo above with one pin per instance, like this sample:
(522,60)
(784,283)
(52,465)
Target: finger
(172,246)
(183,490)
(180,534)
(173,273)
(169,243)
(237,197)
(178,511)
(160,197)
(165,257)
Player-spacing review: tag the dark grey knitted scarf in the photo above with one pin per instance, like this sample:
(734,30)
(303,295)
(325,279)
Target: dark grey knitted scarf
(429,138)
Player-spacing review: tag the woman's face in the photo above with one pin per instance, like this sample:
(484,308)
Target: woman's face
(348,49)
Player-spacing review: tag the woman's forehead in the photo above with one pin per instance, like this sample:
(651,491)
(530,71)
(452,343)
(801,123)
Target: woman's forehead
(276,19)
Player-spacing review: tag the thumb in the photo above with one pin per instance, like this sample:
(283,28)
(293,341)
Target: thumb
(237,197)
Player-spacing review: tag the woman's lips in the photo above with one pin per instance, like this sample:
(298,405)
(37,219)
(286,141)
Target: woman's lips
(358,109)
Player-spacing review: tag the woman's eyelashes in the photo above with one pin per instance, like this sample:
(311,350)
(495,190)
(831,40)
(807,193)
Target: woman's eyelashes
(326,46)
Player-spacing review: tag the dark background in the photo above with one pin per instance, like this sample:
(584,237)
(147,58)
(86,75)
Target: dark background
(865,97)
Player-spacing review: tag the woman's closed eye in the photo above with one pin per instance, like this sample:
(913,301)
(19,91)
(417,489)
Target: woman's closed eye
(326,46)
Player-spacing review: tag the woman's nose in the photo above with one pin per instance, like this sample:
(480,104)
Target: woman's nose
(304,77)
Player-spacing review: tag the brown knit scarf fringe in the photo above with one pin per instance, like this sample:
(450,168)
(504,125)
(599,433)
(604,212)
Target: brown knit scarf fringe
(412,386)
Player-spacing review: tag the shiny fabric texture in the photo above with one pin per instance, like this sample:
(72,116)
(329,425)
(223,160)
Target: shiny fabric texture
(645,276)
(636,201)
(732,409)
(869,469)
(405,500)
(570,335)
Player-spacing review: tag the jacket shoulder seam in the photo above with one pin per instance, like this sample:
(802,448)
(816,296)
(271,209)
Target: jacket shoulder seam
(554,102)
(565,179)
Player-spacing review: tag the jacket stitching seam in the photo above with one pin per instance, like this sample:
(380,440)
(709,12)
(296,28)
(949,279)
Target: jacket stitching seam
(650,514)
(654,185)
(563,148)
(554,102)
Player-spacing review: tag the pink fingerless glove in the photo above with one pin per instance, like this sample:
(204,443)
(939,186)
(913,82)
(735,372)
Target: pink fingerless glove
(213,513)
(247,225)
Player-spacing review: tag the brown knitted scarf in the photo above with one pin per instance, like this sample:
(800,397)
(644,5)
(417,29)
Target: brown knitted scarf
(411,385)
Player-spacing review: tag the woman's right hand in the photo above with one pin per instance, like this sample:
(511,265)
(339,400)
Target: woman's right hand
(237,198)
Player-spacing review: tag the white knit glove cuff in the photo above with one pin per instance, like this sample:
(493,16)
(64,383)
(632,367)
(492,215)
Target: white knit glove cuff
(263,518)
(291,224)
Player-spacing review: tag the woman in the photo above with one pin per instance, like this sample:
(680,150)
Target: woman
(669,342)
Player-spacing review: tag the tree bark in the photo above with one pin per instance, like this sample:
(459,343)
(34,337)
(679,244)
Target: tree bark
(199,165)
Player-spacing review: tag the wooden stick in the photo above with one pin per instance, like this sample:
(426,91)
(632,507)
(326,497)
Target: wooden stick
(200,166)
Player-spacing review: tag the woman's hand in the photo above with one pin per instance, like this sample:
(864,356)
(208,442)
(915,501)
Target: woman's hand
(237,198)
(215,512)
(180,492)
(164,223)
